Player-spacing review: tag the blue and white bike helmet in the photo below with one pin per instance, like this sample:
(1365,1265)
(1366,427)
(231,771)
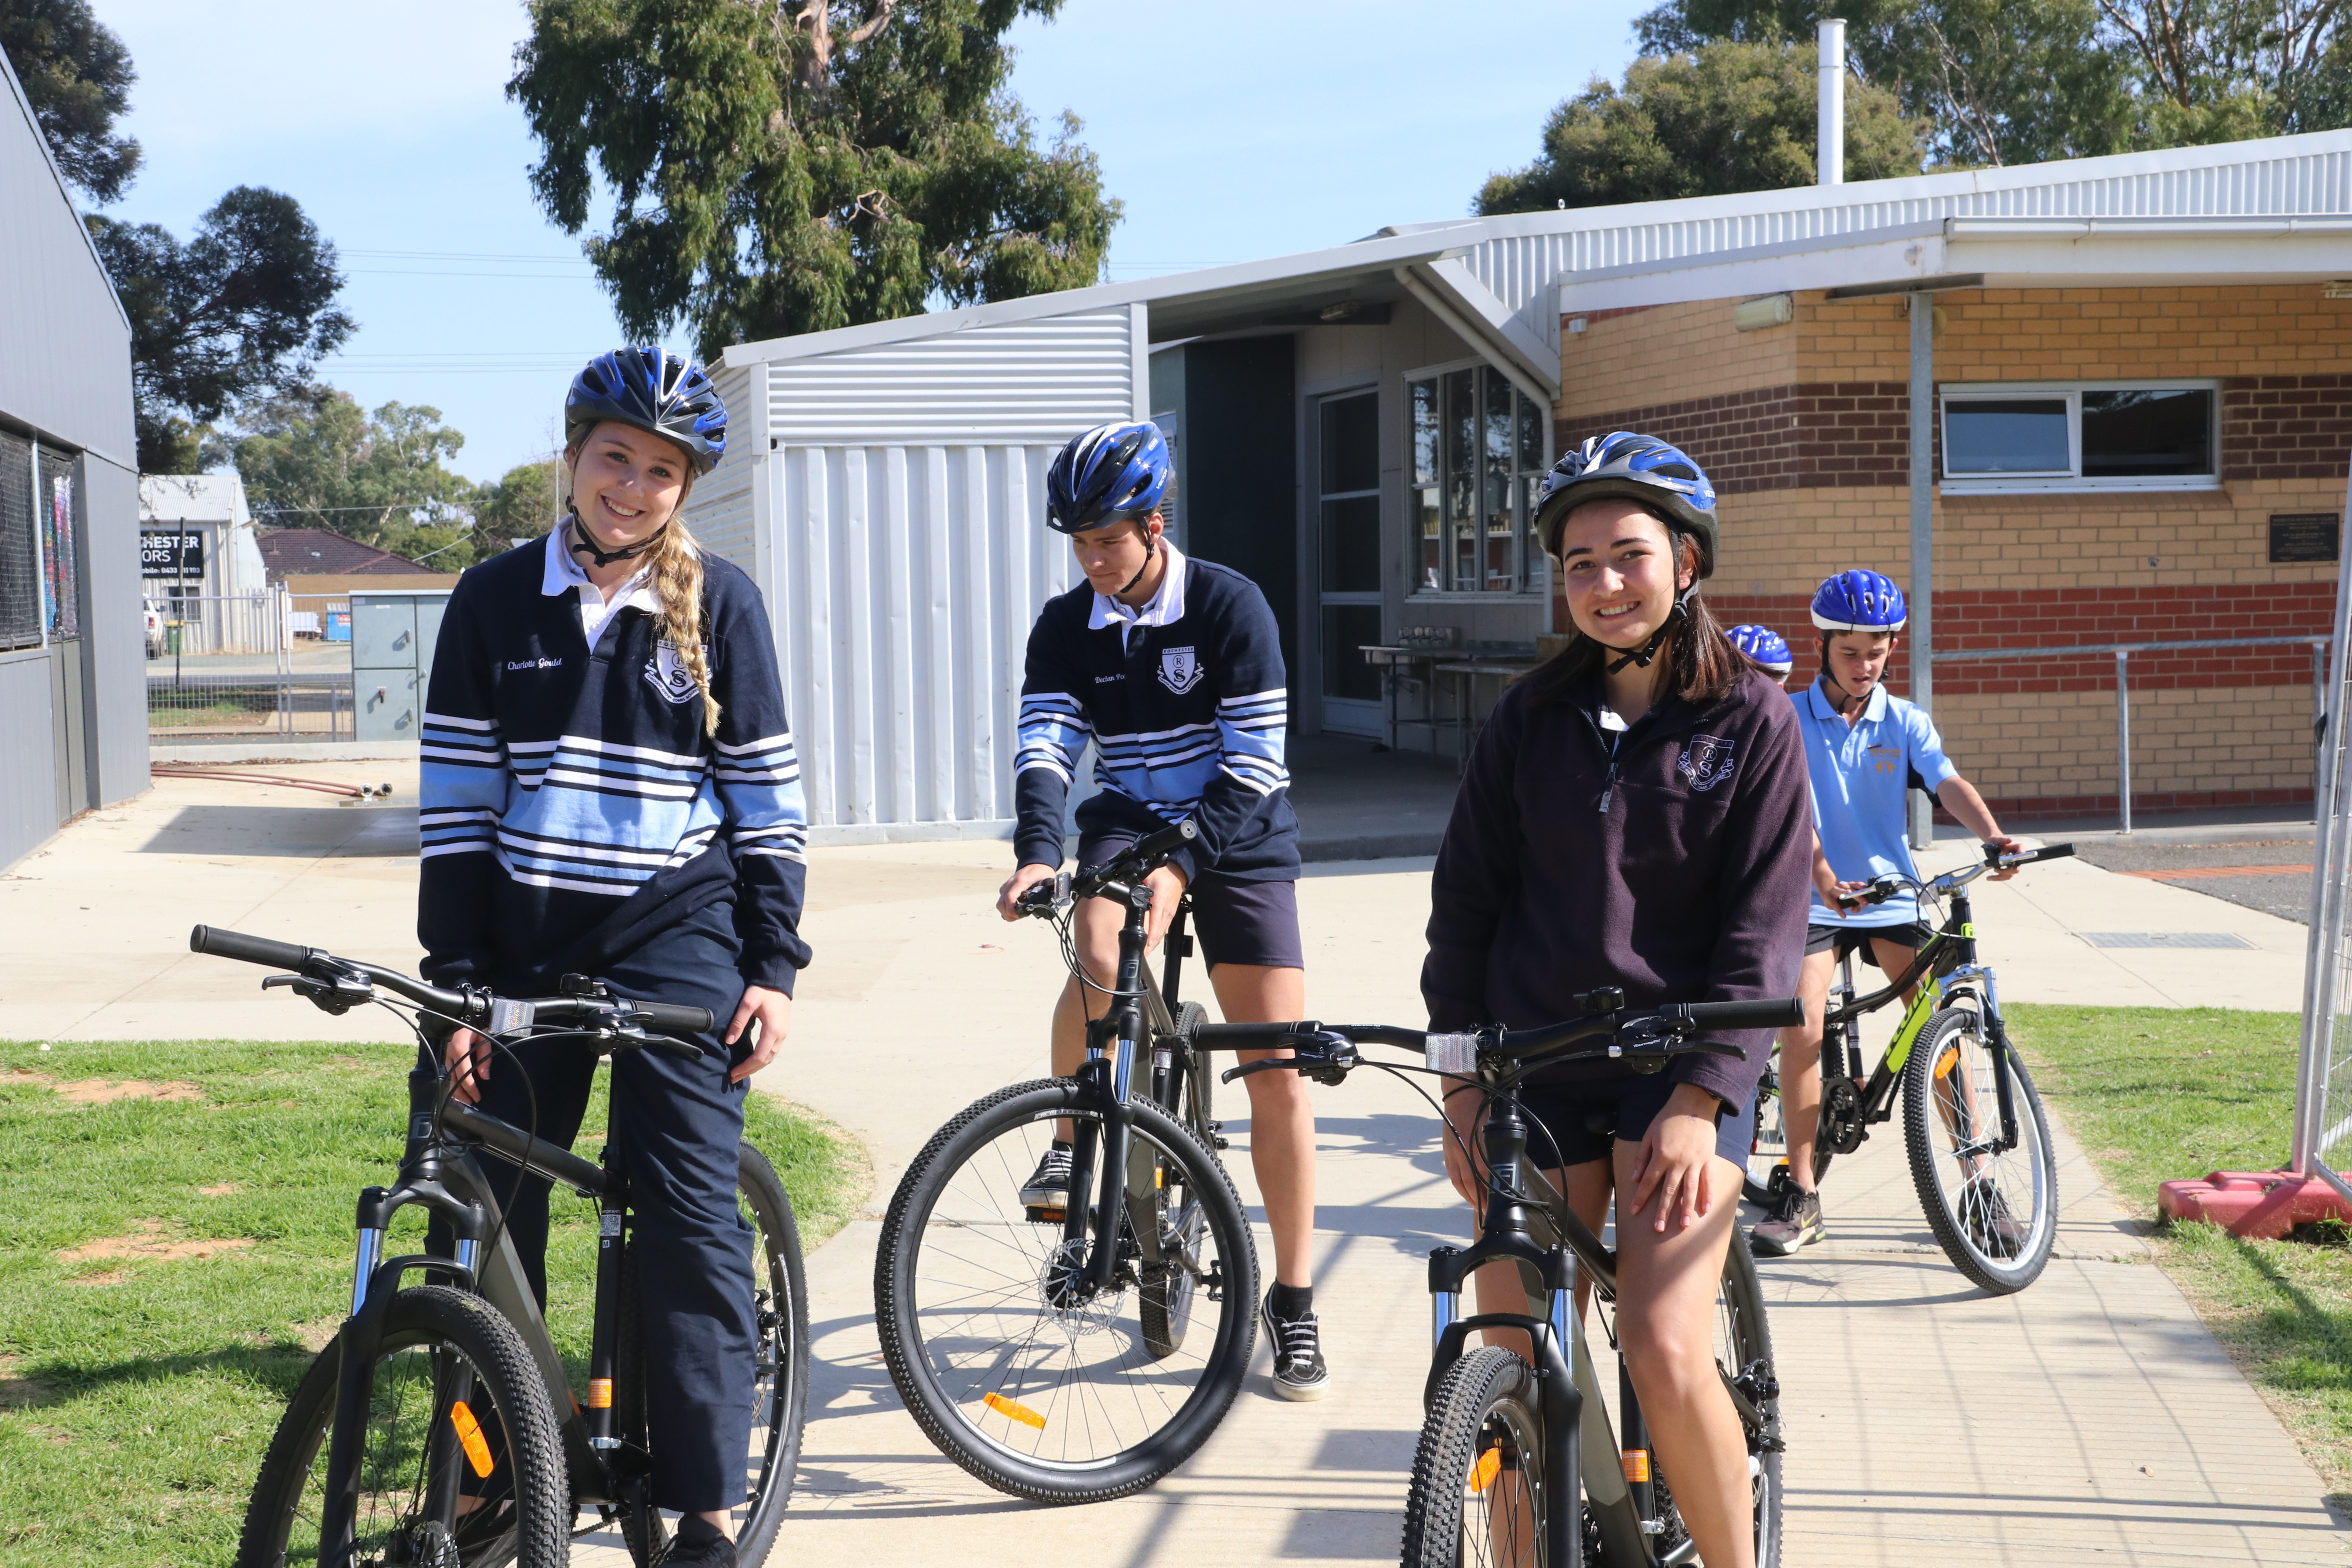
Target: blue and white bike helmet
(1636,468)
(1111,471)
(656,392)
(1859,600)
(1766,647)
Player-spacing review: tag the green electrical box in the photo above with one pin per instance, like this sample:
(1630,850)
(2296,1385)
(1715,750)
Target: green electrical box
(394,631)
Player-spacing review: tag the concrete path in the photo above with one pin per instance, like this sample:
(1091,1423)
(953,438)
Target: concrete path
(2090,1418)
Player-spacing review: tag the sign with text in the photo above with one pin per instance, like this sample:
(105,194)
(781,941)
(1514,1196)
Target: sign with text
(171,553)
(2297,536)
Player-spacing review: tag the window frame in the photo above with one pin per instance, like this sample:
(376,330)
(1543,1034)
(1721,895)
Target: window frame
(2072,480)
(1531,569)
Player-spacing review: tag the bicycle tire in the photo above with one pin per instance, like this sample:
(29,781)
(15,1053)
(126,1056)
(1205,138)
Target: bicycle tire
(1004,1354)
(1767,1151)
(1744,1339)
(780,1387)
(1164,1296)
(1200,1077)
(1972,1200)
(518,1436)
(1482,1445)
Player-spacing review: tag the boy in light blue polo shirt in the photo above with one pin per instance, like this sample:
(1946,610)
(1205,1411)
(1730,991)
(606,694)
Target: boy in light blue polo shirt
(1864,748)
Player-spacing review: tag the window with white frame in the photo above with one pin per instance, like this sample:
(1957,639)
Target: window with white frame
(1476,446)
(2082,436)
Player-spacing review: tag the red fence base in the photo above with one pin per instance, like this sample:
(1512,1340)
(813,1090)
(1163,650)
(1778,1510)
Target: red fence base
(2264,1204)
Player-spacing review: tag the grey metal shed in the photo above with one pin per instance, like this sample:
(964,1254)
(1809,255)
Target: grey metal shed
(73,712)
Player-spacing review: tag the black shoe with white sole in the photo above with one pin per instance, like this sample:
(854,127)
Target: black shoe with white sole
(1297,1344)
(1049,1186)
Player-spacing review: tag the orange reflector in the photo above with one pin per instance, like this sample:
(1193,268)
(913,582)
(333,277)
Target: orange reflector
(1014,1410)
(1947,1061)
(600,1393)
(1482,1474)
(470,1434)
(1637,1464)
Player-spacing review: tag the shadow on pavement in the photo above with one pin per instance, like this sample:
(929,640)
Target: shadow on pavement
(292,831)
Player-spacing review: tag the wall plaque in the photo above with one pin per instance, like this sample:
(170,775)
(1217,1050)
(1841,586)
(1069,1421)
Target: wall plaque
(2298,536)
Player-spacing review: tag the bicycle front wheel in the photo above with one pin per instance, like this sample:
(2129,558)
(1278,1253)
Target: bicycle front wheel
(459,1461)
(1990,1197)
(1041,1386)
(1477,1496)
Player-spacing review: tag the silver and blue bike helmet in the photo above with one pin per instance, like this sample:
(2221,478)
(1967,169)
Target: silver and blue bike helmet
(656,392)
(1859,600)
(1110,472)
(1766,647)
(1634,468)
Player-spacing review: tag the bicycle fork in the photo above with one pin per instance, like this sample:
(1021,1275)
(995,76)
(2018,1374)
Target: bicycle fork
(1109,1073)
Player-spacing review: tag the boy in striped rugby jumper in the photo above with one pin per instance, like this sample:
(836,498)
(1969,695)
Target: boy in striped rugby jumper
(1174,669)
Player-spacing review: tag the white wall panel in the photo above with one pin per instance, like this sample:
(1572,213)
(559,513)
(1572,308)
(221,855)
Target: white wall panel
(1023,382)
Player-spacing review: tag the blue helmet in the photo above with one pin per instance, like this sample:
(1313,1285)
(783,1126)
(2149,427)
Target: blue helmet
(1636,468)
(1859,600)
(1765,645)
(1111,471)
(655,390)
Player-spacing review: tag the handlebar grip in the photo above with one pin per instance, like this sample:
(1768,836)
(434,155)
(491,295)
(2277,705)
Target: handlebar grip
(250,949)
(1249,1037)
(2047,852)
(1167,841)
(671,1018)
(1776,1013)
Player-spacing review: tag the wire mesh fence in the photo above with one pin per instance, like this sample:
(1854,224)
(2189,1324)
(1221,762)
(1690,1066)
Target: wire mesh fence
(20,547)
(2322,1130)
(228,668)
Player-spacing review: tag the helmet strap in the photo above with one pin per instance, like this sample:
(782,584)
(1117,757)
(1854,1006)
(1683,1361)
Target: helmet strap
(582,545)
(1846,699)
(1640,657)
(1150,554)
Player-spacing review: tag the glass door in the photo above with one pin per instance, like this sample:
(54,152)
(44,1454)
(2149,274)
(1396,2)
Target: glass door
(1348,512)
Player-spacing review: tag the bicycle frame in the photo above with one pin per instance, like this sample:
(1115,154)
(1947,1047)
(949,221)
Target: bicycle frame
(438,1171)
(1950,955)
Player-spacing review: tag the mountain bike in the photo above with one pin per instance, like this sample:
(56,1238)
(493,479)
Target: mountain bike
(1501,1473)
(1077,1353)
(1973,1125)
(442,1413)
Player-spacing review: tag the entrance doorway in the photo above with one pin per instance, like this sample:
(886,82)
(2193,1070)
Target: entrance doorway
(1347,521)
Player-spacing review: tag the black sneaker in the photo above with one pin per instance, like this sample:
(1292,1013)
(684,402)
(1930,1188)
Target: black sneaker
(1298,1369)
(1795,1221)
(1049,1186)
(1996,1231)
(717,1552)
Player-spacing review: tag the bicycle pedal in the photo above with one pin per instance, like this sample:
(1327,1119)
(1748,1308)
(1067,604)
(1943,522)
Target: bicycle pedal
(1222,1143)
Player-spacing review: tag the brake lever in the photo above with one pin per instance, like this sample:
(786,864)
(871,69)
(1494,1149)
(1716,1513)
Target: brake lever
(335,989)
(1326,1059)
(630,1035)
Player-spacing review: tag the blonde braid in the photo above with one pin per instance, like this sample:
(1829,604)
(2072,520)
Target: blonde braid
(677,584)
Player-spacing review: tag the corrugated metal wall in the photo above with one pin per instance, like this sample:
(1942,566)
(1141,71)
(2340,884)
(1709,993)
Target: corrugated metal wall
(900,539)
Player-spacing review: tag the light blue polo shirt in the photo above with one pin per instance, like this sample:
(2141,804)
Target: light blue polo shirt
(1859,774)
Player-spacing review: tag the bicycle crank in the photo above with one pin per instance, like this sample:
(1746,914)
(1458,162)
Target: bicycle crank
(1841,1126)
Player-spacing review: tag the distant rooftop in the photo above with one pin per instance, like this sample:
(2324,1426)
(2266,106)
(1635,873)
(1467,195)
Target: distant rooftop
(318,551)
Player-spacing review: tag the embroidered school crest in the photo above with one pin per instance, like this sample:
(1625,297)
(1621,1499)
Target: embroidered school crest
(1180,670)
(1706,762)
(670,676)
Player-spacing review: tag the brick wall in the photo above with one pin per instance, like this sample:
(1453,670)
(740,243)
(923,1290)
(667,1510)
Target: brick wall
(2285,426)
(1800,436)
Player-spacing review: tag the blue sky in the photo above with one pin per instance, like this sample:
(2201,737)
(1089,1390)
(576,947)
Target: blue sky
(1231,133)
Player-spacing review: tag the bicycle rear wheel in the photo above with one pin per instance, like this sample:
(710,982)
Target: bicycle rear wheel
(1041,1392)
(780,1382)
(1768,1154)
(457,1412)
(1994,1210)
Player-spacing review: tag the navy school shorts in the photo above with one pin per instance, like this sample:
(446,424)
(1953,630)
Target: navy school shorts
(1584,1118)
(1234,921)
(1844,940)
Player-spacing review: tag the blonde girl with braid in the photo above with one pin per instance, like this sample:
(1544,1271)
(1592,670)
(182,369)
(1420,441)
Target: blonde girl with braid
(609,788)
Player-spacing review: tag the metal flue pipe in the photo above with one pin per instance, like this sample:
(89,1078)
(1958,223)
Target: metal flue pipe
(1830,156)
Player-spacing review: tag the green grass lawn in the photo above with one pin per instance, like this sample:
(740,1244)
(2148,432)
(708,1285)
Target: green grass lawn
(2157,1094)
(170,1261)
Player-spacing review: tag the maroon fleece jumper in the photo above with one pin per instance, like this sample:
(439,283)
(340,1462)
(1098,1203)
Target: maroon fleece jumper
(1679,870)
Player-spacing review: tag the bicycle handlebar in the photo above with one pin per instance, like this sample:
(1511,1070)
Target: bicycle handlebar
(474,1008)
(1139,859)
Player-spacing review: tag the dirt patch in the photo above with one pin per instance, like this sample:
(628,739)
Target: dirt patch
(18,1392)
(218,1190)
(146,1242)
(317,1336)
(97,1092)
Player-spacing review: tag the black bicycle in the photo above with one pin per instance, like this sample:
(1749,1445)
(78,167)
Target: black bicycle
(1977,1139)
(1079,1352)
(441,1428)
(1501,1474)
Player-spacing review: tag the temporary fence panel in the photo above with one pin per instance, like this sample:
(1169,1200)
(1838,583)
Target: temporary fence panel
(226,667)
(2323,1125)
(897,528)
